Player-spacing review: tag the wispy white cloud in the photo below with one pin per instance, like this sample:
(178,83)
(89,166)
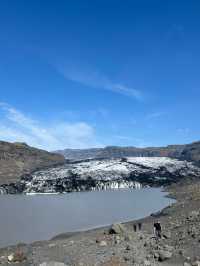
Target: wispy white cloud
(97,80)
(183,131)
(155,115)
(16,126)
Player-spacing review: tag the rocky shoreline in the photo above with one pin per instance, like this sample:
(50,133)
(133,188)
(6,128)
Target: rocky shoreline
(180,243)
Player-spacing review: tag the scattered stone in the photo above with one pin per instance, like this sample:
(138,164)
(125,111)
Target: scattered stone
(11,257)
(141,237)
(117,240)
(167,235)
(196,263)
(52,245)
(181,252)
(103,243)
(168,248)
(193,215)
(156,255)
(52,263)
(146,263)
(114,261)
(18,256)
(149,256)
(128,238)
(186,264)
(117,229)
(126,258)
(164,255)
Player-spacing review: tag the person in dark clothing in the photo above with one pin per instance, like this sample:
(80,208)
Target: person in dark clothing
(135,227)
(157,229)
(139,226)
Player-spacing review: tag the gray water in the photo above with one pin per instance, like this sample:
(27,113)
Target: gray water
(28,218)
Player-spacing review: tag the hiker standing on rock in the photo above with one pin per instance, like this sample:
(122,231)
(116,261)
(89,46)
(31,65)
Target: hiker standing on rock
(157,229)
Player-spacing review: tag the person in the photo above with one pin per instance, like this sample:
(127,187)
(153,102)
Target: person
(135,227)
(140,226)
(157,229)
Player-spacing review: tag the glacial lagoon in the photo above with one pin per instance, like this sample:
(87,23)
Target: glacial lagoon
(28,218)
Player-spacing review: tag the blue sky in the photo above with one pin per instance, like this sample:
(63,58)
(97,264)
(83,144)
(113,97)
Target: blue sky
(77,74)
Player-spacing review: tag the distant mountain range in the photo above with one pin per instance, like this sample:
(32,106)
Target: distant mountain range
(189,152)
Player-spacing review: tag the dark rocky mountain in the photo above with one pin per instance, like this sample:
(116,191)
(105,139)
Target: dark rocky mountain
(190,152)
(19,159)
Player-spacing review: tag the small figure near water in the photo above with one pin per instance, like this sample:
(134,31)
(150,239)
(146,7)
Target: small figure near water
(140,226)
(157,230)
(135,227)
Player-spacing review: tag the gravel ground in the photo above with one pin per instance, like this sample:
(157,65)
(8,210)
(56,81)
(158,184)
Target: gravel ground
(179,245)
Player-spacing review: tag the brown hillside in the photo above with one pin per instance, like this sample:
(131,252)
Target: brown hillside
(18,159)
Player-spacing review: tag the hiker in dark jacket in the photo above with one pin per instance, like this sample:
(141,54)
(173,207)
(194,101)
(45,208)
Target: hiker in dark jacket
(157,229)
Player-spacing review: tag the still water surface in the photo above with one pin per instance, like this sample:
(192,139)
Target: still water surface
(28,218)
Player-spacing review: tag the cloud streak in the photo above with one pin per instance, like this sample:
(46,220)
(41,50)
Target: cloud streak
(16,126)
(156,115)
(99,81)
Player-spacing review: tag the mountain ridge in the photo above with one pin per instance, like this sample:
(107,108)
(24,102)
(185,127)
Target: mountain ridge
(189,152)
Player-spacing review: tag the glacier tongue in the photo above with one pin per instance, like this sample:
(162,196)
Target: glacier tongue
(130,172)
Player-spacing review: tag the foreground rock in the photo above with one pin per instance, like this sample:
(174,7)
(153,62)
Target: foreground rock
(117,229)
(164,255)
(17,257)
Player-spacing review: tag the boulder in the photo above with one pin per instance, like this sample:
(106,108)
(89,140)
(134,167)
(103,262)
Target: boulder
(186,264)
(128,247)
(146,263)
(193,215)
(164,255)
(196,263)
(117,229)
(167,235)
(18,256)
(168,248)
(117,239)
(103,243)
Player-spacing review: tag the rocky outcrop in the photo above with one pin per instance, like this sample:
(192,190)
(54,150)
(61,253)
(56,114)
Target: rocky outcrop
(19,159)
(131,172)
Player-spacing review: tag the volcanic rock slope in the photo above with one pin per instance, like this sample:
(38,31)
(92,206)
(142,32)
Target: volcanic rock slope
(19,159)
